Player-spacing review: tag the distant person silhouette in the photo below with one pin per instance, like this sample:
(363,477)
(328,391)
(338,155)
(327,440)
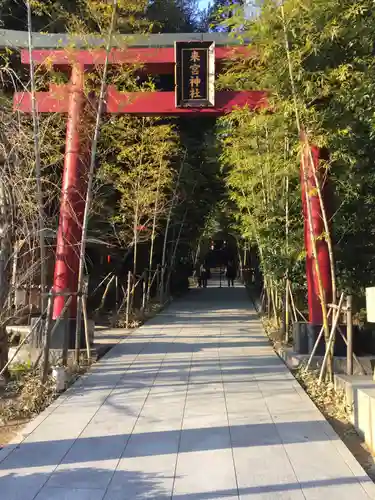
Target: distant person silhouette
(230,273)
(197,274)
(204,275)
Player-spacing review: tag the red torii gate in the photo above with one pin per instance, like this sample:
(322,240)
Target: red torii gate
(70,99)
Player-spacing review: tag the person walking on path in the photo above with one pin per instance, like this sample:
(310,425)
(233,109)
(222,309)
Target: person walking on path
(197,275)
(230,273)
(204,275)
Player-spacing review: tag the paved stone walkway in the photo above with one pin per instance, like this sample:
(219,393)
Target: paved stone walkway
(194,405)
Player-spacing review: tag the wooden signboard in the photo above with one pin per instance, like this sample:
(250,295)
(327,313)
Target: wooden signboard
(195,74)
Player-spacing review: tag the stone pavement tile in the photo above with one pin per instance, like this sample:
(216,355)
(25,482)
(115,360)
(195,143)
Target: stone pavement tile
(23,483)
(111,417)
(246,404)
(321,471)
(84,475)
(98,448)
(201,474)
(231,494)
(115,425)
(129,403)
(265,471)
(143,477)
(199,422)
(251,493)
(161,416)
(36,454)
(201,438)
(247,435)
(134,495)
(343,488)
(303,415)
(48,493)
(68,432)
(206,407)
(152,443)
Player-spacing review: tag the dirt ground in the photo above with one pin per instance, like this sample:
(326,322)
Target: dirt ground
(10,431)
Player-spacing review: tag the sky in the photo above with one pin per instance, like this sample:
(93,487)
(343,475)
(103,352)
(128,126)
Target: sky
(203,3)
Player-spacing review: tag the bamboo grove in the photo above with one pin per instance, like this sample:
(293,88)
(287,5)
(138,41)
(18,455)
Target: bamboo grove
(315,58)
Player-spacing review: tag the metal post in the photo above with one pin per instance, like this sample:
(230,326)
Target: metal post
(117,294)
(72,200)
(158,282)
(144,289)
(287,310)
(86,323)
(47,338)
(128,298)
(315,310)
(66,333)
(349,335)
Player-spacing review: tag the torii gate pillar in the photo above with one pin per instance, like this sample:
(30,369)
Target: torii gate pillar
(314,303)
(73,194)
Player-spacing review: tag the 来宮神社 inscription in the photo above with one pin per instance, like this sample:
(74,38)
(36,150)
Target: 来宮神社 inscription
(195,74)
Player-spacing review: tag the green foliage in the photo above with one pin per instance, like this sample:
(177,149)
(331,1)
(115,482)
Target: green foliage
(257,159)
(137,163)
(331,47)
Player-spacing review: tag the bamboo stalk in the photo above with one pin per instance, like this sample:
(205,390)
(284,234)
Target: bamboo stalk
(153,234)
(164,254)
(91,173)
(305,182)
(294,309)
(327,237)
(38,169)
(175,248)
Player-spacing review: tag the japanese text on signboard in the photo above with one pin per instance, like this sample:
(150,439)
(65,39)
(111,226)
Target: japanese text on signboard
(194,72)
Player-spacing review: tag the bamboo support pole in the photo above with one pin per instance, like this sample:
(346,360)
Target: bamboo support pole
(329,344)
(104,296)
(312,354)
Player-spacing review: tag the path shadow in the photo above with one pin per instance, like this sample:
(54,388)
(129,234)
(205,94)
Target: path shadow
(159,443)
